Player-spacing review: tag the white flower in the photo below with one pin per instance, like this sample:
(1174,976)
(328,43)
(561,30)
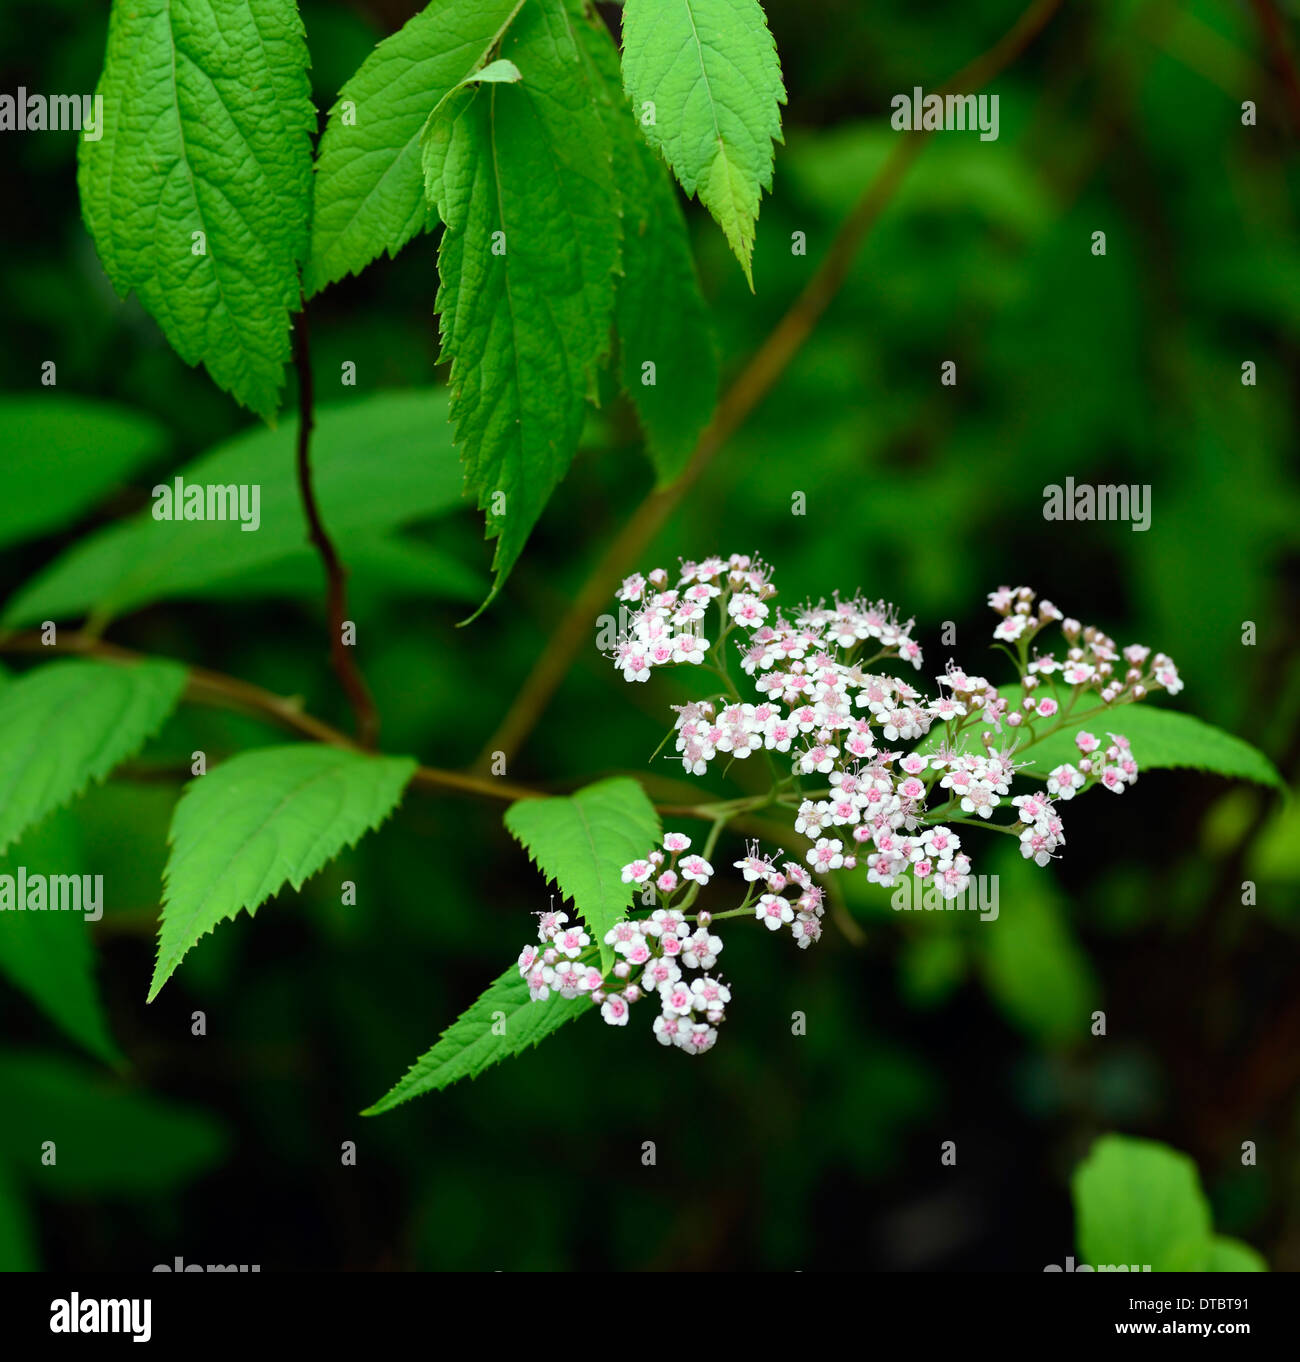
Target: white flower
(747,610)
(696,868)
(826,855)
(571,942)
(700,950)
(773,911)
(698,1038)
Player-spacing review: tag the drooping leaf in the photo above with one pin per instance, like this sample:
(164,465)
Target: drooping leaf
(705,82)
(582,841)
(261,820)
(369,189)
(667,360)
(1136,1201)
(62,455)
(521,175)
(198,193)
(99,1130)
(69,722)
(377,463)
(503,1022)
(48,955)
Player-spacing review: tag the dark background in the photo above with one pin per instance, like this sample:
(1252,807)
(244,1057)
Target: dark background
(774,1151)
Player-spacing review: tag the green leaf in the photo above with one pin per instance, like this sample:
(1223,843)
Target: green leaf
(70,722)
(377,463)
(1231,1255)
(707,71)
(63,455)
(522,177)
(389,566)
(659,312)
(262,820)
(499,72)
(1139,1202)
(582,842)
(369,191)
(207,129)
(1162,739)
(503,1022)
(1036,971)
(49,955)
(108,1140)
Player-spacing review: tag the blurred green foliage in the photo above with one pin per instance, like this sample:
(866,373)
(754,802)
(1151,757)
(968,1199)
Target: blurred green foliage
(776,1151)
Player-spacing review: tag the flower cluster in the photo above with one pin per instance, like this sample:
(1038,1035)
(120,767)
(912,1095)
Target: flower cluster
(788,897)
(874,771)
(653,953)
(825,705)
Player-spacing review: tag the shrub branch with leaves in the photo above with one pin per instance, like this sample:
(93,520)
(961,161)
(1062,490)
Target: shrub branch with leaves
(547,157)
(831,717)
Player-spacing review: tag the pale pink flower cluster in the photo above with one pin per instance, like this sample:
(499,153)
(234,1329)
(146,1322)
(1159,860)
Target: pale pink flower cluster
(825,705)
(790,898)
(654,954)
(867,779)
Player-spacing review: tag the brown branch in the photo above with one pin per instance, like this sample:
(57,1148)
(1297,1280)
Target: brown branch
(336,593)
(753,384)
(216,690)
